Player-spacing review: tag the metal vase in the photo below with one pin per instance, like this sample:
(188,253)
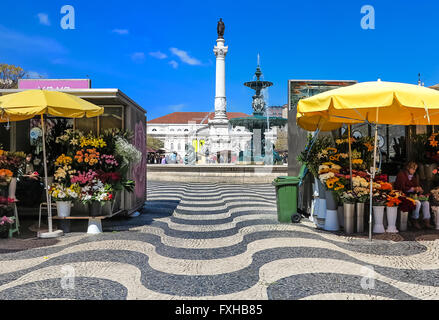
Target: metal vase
(360,217)
(340,211)
(331,204)
(349,214)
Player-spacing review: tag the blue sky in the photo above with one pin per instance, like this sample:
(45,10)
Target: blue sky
(160,53)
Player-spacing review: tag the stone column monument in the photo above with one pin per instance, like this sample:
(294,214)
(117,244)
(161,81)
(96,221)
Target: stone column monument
(219,125)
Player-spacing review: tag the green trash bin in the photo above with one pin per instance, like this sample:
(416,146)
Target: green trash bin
(286,198)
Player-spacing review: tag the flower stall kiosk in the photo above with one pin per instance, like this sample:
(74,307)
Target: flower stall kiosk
(96,166)
(345,168)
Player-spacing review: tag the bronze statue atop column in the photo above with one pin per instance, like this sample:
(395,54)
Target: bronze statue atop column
(220,28)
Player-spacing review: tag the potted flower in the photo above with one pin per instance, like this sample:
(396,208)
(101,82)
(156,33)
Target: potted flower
(378,201)
(95,194)
(63,196)
(5,179)
(362,195)
(392,211)
(5,225)
(348,198)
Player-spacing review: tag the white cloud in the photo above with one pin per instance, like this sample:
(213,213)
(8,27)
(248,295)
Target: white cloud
(44,19)
(174,64)
(138,56)
(176,107)
(158,55)
(184,57)
(29,44)
(121,31)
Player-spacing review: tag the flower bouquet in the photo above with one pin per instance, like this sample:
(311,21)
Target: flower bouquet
(61,192)
(407,204)
(379,198)
(434,197)
(348,197)
(421,197)
(5,225)
(95,194)
(362,194)
(63,196)
(5,177)
(11,161)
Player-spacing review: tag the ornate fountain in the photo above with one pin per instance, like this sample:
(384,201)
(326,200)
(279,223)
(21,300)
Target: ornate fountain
(259,121)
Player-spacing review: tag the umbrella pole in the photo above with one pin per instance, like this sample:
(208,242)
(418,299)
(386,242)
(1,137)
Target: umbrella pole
(50,233)
(350,154)
(372,176)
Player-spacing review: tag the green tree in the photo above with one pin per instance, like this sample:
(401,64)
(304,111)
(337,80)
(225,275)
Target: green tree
(9,76)
(154,143)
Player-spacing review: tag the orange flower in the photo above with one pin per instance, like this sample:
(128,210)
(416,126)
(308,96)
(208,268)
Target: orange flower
(433,143)
(386,186)
(369,146)
(5,173)
(335,157)
(392,201)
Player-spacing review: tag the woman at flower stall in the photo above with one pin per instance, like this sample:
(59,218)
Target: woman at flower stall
(29,186)
(408,182)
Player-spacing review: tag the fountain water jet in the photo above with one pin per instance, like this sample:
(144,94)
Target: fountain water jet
(258,123)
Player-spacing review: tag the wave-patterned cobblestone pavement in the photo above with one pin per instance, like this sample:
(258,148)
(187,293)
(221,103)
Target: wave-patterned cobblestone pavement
(217,241)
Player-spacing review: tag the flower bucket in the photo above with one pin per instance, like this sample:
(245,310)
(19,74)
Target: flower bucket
(95,208)
(403,217)
(331,221)
(392,213)
(378,217)
(435,210)
(4,233)
(360,217)
(340,212)
(63,208)
(321,189)
(321,214)
(12,188)
(349,216)
(331,204)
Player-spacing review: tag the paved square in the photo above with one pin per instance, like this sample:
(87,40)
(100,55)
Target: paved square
(215,241)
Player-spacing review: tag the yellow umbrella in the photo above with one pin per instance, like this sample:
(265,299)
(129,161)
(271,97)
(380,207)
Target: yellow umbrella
(395,103)
(30,103)
(27,104)
(375,102)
